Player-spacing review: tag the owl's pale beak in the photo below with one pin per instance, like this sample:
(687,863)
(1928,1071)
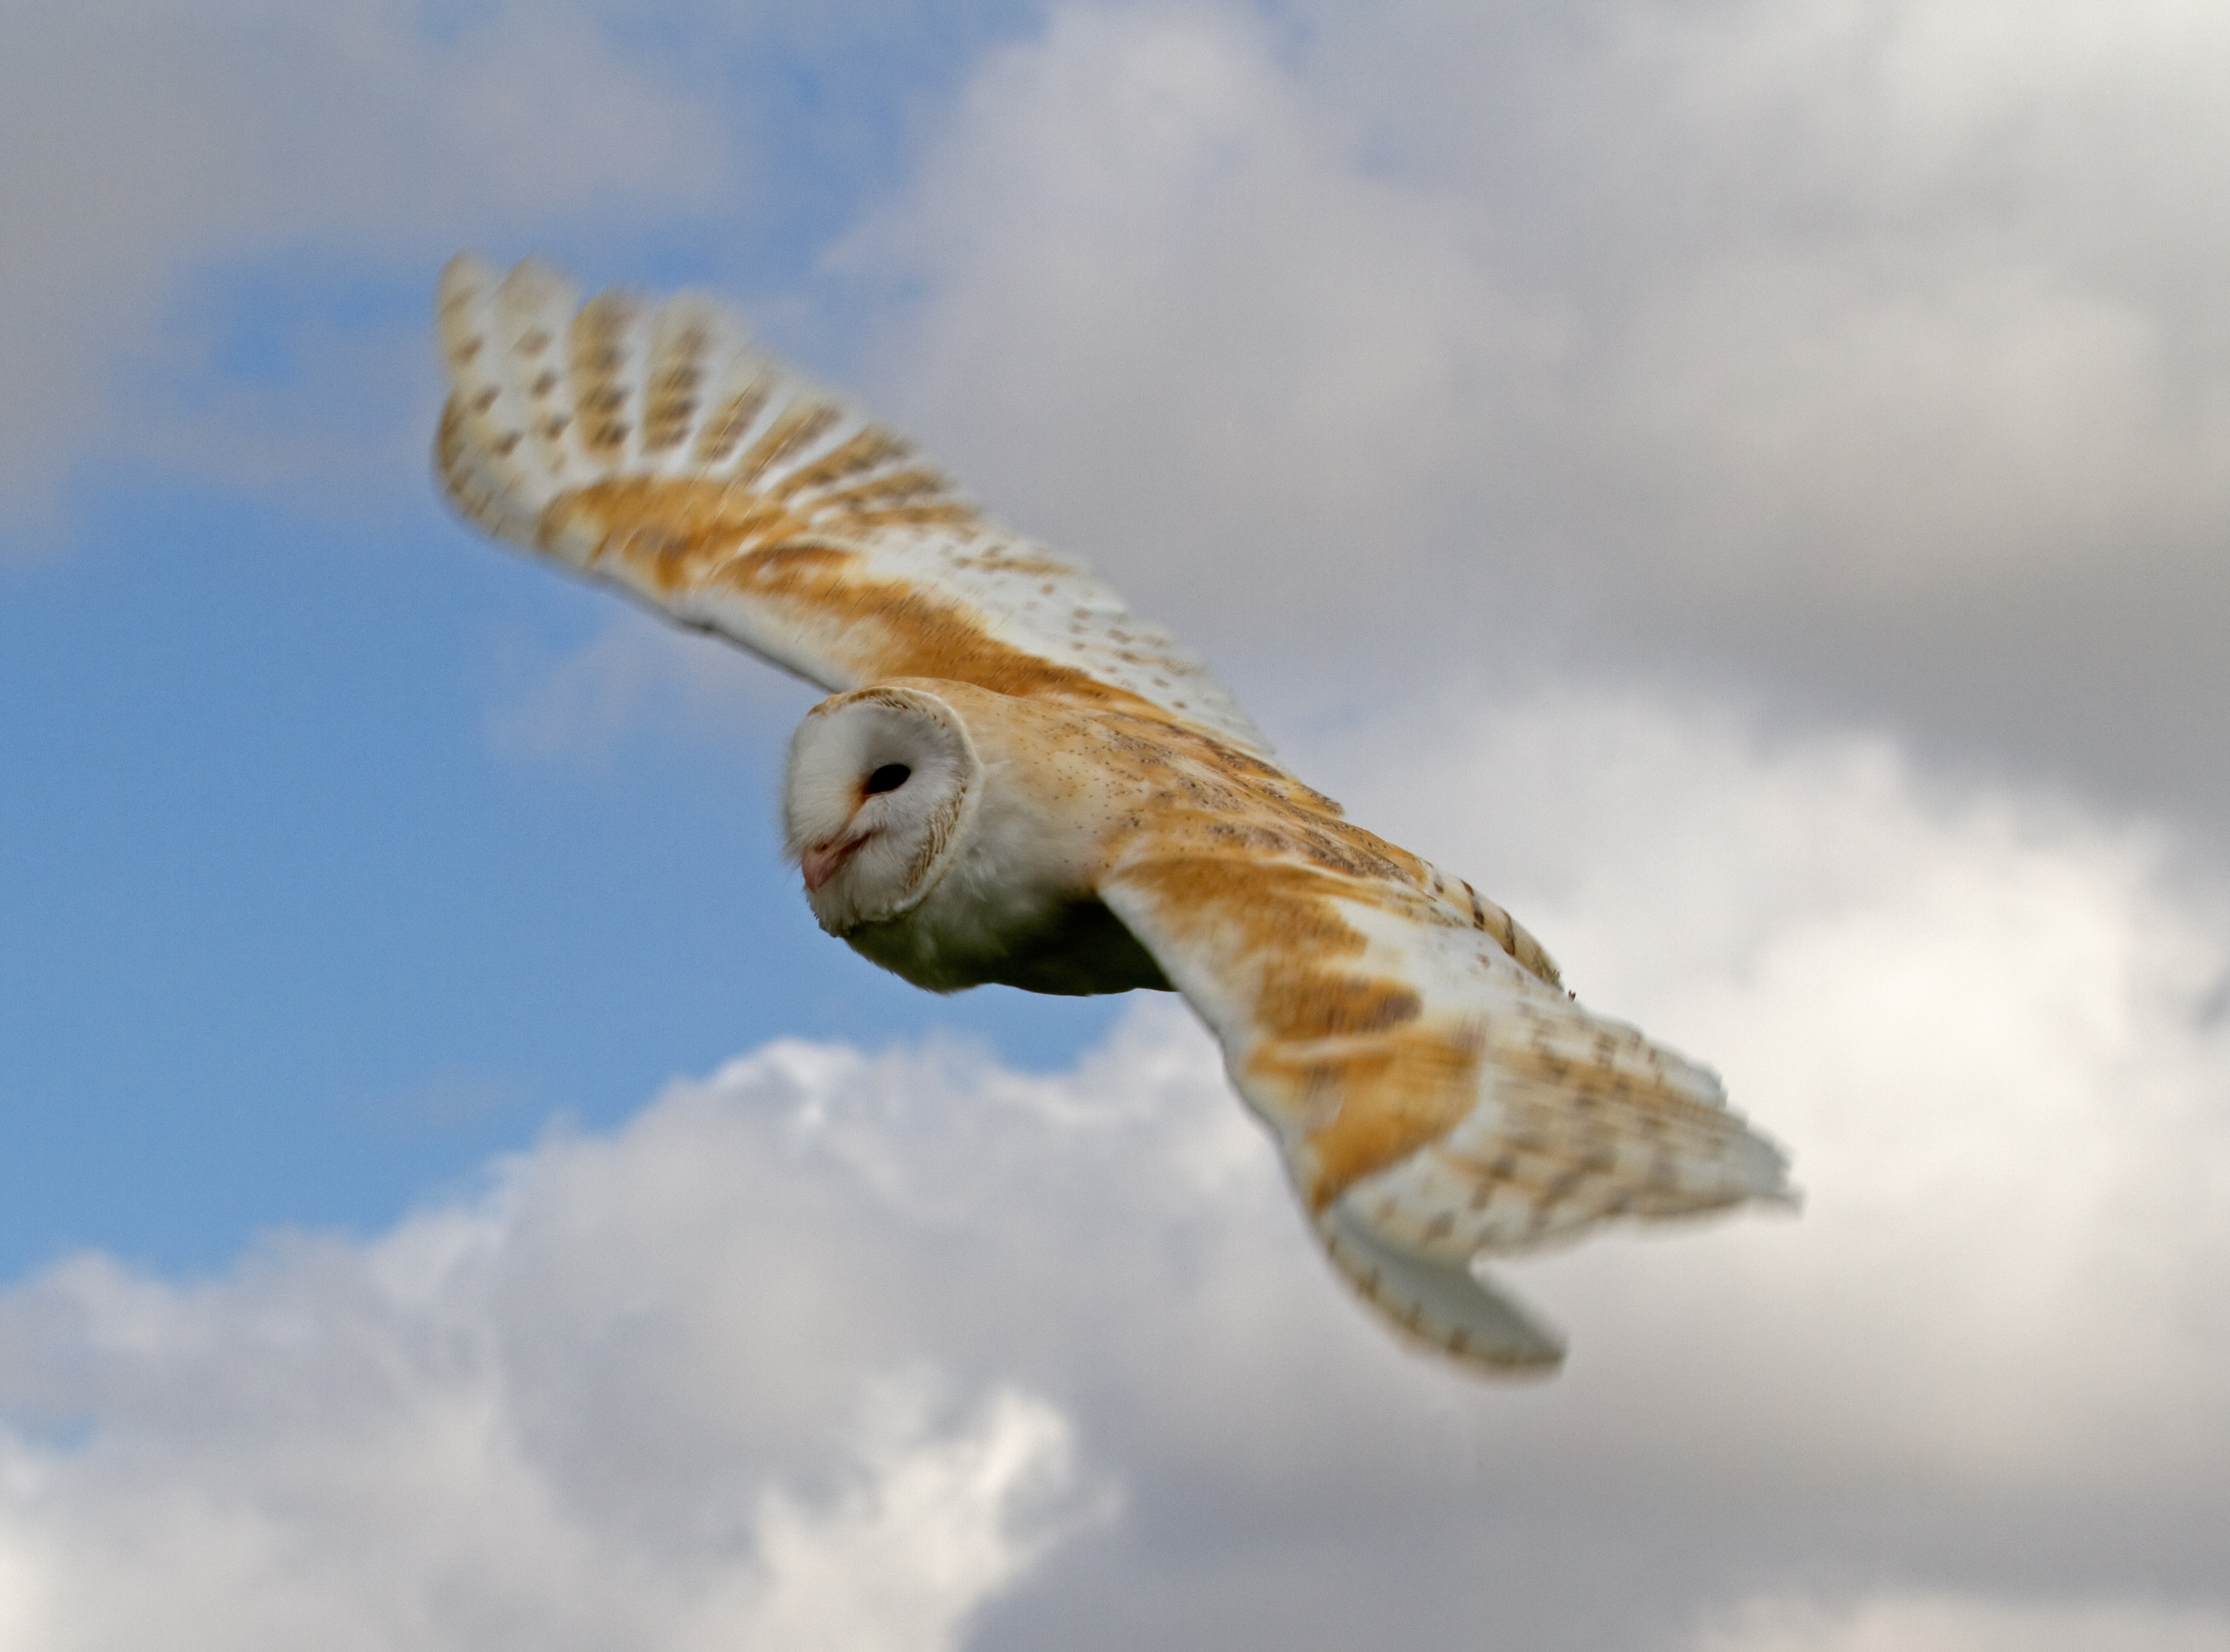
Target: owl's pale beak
(820,862)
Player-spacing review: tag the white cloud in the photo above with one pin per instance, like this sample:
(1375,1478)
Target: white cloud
(650,1385)
(903,1562)
(1985,1023)
(330,1449)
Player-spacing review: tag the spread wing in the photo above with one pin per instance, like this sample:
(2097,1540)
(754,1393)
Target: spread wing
(1439,1097)
(656,449)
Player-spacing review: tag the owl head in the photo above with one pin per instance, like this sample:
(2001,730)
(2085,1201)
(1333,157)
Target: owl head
(882,784)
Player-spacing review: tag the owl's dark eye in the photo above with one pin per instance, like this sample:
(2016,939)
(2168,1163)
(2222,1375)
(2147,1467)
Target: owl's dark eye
(889,777)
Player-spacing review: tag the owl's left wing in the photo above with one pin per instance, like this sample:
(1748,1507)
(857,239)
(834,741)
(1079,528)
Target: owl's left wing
(1437,1096)
(655,449)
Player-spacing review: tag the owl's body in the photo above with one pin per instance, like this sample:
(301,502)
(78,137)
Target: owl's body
(1020,782)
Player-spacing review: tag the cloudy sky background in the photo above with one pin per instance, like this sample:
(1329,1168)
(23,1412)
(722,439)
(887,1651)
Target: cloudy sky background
(1746,484)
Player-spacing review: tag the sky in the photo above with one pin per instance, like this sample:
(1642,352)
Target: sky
(1746,484)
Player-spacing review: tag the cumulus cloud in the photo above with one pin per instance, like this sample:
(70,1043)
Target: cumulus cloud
(833,1340)
(1962,1009)
(341,1447)
(1170,313)
(902,1563)
(1863,352)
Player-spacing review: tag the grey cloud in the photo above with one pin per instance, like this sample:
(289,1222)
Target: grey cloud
(1923,1622)
(156,144)
(1863,360)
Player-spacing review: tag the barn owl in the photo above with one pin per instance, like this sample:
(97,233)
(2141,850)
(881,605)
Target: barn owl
(1017,780)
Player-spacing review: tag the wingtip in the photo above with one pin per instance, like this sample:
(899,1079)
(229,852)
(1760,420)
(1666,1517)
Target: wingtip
(1451,1311)
(1768,1183)
(470,278)
(461,277)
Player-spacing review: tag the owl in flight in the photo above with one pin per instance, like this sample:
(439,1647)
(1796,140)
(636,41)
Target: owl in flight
(1016,780)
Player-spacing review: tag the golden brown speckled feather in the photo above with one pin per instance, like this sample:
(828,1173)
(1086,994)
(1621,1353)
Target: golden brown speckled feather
(1437,1095)
(658,452)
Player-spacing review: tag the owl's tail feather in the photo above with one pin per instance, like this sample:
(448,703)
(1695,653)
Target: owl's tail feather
(1446,1307)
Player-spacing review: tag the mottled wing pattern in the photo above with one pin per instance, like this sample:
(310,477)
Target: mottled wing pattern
(653,448)
(1438,1095)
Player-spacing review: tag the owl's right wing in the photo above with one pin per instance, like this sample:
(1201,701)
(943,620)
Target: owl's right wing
(1438,1097)
(656,449)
